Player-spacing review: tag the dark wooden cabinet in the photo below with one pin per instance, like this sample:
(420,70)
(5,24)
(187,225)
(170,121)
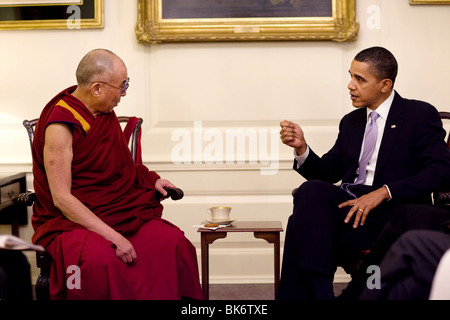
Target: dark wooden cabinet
(12,213)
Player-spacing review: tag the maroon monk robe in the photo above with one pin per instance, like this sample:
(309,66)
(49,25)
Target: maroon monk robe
(122,194)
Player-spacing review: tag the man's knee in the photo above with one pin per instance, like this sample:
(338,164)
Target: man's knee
(319,194)
(410,239)
(417,241)
(312,187)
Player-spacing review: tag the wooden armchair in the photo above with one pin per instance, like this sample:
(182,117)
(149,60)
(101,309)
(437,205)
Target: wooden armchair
(132,132)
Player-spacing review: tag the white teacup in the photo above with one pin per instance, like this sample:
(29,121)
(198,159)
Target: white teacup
(219,213)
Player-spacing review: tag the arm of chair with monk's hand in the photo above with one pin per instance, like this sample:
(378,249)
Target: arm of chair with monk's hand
(26,198)
(173,193)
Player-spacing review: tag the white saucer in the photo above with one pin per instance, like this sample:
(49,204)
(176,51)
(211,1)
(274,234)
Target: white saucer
(221,221)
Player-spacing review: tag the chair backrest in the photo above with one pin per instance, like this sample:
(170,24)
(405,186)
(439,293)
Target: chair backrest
(446,116)
(443,197)
(134,139)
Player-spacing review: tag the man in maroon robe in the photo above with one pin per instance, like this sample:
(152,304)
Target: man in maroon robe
(96,211)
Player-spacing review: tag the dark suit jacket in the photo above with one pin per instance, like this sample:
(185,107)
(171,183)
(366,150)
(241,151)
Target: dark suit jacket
(413,159)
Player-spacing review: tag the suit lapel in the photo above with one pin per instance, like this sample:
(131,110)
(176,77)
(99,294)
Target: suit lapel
(391,131)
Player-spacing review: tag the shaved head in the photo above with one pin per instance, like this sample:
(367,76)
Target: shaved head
(102,81)
(98,63)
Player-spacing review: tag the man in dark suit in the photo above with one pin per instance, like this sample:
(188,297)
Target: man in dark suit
(405,159)
(404,219)
(409,267)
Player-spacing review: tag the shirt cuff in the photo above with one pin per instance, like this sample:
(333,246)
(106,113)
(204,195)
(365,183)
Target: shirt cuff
(301,158)
(389,191)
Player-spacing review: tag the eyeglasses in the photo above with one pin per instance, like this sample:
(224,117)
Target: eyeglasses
(123,89)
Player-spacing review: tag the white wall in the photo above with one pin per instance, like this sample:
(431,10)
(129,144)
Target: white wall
(250,86)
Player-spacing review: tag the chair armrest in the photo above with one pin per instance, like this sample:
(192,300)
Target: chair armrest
(441,198)
(174,193)
(26,198)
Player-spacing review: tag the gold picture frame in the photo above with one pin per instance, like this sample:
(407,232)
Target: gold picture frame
(44,15)
(429,1)
(152,28)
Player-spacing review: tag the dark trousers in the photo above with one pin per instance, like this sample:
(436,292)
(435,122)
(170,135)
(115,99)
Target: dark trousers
(15,278)
(317,239)
(404,218)
(408,267)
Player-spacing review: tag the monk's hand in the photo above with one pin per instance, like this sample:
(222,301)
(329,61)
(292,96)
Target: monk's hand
(362,206)
(292,135)
(125,250)
(160,186)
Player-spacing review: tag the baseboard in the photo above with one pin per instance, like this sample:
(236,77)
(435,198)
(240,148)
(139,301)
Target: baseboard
(339,277)
(248,266)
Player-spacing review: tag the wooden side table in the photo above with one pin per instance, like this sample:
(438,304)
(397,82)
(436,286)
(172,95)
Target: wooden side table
(11,185)
(267,230)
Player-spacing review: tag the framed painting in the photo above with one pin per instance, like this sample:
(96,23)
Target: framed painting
(245,20)
(429,1)
(51,14)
